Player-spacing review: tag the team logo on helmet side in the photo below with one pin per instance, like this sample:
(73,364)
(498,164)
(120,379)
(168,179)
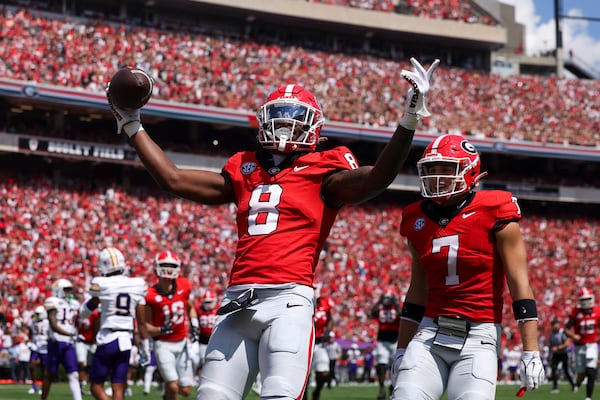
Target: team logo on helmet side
(468,147)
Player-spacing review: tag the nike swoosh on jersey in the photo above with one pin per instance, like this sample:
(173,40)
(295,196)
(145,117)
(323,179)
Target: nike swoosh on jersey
(467,215)
(289,305)
(180,292)
(296,168)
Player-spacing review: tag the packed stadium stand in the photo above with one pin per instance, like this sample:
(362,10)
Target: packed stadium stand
(70,186)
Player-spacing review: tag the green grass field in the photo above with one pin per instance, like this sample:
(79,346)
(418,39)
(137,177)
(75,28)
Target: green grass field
(60,391)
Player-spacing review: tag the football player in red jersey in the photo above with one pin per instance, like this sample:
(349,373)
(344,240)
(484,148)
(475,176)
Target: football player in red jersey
(207,316)
(169,312)
(85,342)
(288,195)
(323,325)
(465,245)
(582,327)
(387,314)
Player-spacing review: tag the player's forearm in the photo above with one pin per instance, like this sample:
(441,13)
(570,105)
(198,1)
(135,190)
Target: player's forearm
(529,335)
(361,184)
(408,329)
(162,169)
(390,160)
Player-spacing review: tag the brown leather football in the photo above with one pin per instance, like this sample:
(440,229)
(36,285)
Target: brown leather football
(130,88)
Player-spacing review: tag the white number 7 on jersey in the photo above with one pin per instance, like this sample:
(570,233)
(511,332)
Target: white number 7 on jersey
(452,243)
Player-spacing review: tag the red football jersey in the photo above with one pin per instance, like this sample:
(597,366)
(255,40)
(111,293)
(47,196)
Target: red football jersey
(585,324)
(171,307)
(321,316)
(388,317)
(465,274)
(85,327)
(282,220)
(206,320)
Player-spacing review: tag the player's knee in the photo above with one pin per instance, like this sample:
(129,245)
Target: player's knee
(473,395)
(215,391)
(408,391)
(381,369)
(185,390)
(280,388)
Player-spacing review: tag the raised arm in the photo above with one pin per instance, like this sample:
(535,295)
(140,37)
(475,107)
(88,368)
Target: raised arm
(205,187)
(361,184)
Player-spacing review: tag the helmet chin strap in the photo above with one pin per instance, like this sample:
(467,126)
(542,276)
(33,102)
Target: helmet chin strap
(283,135)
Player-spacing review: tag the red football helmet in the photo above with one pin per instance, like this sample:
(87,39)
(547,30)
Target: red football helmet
(448,167)
(209,300)
(167,265)
(585,298)
(290,120)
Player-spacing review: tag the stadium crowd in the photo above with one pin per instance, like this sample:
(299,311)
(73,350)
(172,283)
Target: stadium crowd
(64,241)
(363,258)
(238,74)
(455,10)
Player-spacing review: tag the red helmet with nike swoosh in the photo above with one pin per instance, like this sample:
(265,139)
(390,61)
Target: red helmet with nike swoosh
(167,265)
(290,120)
(449,166)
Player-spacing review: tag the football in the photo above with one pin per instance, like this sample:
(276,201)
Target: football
(130,88)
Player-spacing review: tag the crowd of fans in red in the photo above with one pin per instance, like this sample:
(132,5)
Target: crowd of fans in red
(456,10)
(238,74)
(50,231)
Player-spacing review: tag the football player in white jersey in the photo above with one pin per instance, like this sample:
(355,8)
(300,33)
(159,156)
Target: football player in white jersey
(62,309)
(38,332)
(121,300)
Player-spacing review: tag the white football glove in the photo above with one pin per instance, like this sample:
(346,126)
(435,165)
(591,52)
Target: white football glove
(144,354)
(531,370)
(128,121)
(420,80)
(396,361)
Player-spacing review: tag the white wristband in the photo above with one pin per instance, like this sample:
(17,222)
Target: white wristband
(410,120)
(135,129)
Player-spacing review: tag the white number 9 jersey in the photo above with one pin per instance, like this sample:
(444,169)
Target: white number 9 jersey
(119,296)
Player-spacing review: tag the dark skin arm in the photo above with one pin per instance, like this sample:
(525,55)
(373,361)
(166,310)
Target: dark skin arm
(342,187)
(208,187)
(140,316)
(361,184)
